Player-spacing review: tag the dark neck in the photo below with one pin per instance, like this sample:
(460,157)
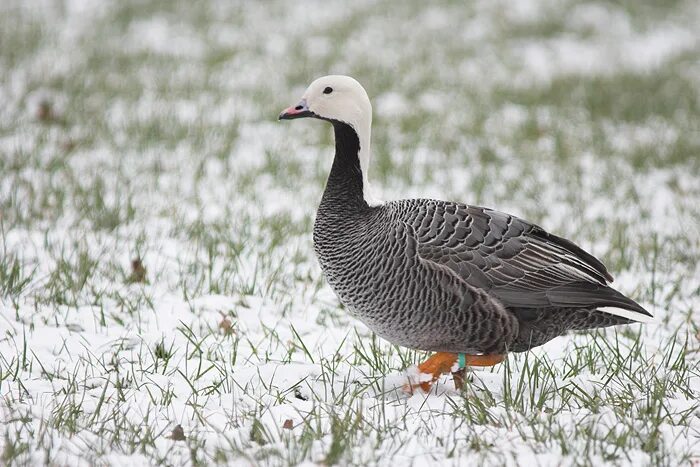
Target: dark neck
(344,186)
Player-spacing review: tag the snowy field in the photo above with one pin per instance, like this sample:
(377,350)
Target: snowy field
(160,301)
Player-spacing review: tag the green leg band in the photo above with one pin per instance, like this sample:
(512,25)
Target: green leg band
(462,360)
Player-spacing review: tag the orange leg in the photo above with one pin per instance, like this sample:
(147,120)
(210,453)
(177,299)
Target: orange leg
(438,364)
(484,360)
(441,363)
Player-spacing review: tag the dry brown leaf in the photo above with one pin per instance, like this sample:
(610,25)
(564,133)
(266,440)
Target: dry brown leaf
(138,272)
(44,111)
(226,325)
(178,434)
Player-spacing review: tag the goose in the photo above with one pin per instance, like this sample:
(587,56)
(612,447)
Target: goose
(468,283)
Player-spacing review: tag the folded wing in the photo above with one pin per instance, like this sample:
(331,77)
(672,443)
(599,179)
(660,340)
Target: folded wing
(516,261)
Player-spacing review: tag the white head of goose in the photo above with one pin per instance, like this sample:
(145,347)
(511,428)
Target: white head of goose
(342,101)
(467,282)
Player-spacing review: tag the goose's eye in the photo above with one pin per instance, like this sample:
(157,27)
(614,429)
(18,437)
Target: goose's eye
(328,90)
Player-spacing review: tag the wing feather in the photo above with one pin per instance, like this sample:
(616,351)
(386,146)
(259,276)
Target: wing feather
(516,261)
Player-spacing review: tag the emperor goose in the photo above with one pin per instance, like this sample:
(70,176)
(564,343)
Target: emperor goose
(467,282)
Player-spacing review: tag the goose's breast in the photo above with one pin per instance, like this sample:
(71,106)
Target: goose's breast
(370,265)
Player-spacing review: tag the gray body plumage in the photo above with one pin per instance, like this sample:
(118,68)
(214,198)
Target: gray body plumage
(441,276)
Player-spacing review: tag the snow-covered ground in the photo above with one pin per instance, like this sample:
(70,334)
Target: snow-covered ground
(147,131)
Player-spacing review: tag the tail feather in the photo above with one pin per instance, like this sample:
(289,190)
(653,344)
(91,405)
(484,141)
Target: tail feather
(606,299)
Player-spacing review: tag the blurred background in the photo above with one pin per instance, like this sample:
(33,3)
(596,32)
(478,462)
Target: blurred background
(513,105)
(146,185)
